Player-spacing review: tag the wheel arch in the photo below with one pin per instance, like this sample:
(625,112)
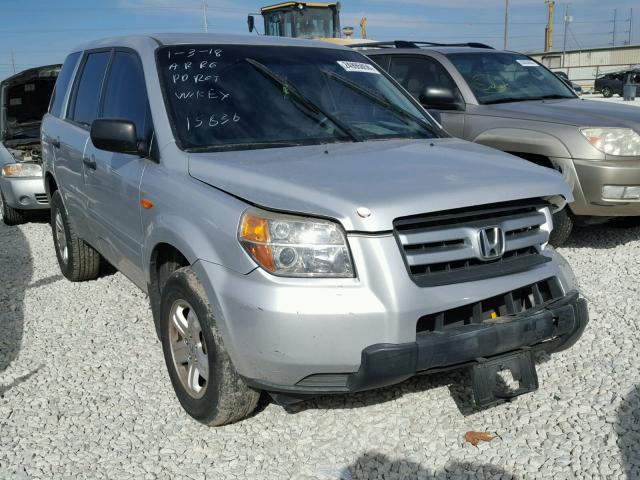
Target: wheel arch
(524,141)
(50,185)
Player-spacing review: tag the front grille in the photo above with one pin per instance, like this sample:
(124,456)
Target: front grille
(41,198)
(443,248)
(510,303)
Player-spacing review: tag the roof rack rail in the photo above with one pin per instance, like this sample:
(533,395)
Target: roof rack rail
(416,44)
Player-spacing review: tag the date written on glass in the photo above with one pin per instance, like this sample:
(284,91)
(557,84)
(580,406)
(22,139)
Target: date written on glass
(213,121)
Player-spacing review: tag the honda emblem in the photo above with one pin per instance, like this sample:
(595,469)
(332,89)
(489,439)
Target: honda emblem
(492,243)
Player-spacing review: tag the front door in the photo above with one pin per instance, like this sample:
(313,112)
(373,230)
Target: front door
(113,179)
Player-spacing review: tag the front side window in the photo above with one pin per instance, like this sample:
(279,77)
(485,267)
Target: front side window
(87,97)
(62,84)
(500,77)
(235,97)
(415,73)
(125,95)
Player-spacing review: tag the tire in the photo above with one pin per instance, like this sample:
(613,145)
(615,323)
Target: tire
(562,227)
(78,261)
(12,216)
(607,92)
(205,381)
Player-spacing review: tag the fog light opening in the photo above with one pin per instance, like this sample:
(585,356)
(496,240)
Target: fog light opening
(620,192)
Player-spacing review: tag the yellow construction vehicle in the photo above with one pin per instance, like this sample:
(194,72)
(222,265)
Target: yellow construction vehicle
(300,20)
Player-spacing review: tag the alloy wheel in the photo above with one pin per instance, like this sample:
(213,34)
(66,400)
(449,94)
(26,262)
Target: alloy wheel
(61,237)
(188,349)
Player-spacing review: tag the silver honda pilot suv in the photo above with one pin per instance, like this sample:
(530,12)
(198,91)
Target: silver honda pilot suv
(301,225)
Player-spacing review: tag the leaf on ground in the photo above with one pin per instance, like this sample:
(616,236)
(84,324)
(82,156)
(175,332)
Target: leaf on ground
(474,438)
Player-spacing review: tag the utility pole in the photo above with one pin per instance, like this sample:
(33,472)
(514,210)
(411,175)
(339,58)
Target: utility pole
(13,61)
(630,25)
(204,16)
(615,21)
(506,23)
(548,31)
(567,19)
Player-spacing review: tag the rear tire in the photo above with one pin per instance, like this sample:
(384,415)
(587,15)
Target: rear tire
(607,92)
(12,216)
(562,227)
(205,381)
(78,260)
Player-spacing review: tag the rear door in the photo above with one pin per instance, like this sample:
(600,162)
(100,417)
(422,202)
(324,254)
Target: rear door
(112,180)
(74,135)
(415,73)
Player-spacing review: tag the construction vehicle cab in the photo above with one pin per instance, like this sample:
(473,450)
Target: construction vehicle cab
(300,20)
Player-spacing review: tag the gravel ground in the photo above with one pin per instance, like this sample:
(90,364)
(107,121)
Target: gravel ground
(85,394)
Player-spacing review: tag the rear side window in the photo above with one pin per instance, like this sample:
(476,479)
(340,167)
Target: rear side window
(87,97)
(125,95)
(62,84)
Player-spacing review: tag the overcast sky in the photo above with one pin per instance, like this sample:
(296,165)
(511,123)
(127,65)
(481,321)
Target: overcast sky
(40,32)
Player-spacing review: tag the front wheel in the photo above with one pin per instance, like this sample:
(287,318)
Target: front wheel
(205,381)
(562,227)
(11,216)
(77,259)
(607,92)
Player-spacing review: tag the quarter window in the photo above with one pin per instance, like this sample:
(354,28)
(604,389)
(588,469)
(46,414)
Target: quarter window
(85,106)
(125,95)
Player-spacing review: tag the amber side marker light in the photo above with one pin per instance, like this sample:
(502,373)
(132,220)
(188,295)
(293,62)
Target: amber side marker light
(254,234)
(146,204)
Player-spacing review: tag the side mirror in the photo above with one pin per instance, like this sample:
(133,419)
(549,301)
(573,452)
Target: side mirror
(115,135)
(251,23)
(441,98)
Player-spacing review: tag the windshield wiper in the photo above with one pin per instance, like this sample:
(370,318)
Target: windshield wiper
(293,91)
(524,99)
(512,99)
(379,100)
(244,146)
(554,96)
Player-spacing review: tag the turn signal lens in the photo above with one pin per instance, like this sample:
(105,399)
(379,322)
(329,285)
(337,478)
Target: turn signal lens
(254,236)
(292,246)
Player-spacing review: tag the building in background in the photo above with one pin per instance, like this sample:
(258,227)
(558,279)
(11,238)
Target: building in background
(584,65)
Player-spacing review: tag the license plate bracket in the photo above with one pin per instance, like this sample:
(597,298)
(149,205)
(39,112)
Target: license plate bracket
(487,385)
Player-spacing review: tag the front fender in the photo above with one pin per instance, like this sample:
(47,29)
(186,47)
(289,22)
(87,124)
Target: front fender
(198,220)
(522,140)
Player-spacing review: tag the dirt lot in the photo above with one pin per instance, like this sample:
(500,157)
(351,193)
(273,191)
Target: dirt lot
(85,393)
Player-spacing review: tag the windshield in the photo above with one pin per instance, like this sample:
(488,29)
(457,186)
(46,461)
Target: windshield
(227,97)
(309,22)
(508,77)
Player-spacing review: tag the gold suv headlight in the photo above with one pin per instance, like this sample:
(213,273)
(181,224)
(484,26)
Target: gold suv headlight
(621,142)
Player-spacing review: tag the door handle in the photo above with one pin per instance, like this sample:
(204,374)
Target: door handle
(90,163)
(56,142)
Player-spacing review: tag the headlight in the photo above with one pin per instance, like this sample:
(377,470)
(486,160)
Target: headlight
(22,170)
(292,246)
(622,142)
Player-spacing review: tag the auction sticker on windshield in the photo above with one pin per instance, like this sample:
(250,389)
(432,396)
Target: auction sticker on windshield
(527,63)
(358,67)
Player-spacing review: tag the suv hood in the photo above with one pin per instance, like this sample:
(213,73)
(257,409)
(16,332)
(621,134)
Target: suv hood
(573,111)
(392,178)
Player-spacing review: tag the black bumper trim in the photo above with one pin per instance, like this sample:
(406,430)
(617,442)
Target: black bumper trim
(551,327)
